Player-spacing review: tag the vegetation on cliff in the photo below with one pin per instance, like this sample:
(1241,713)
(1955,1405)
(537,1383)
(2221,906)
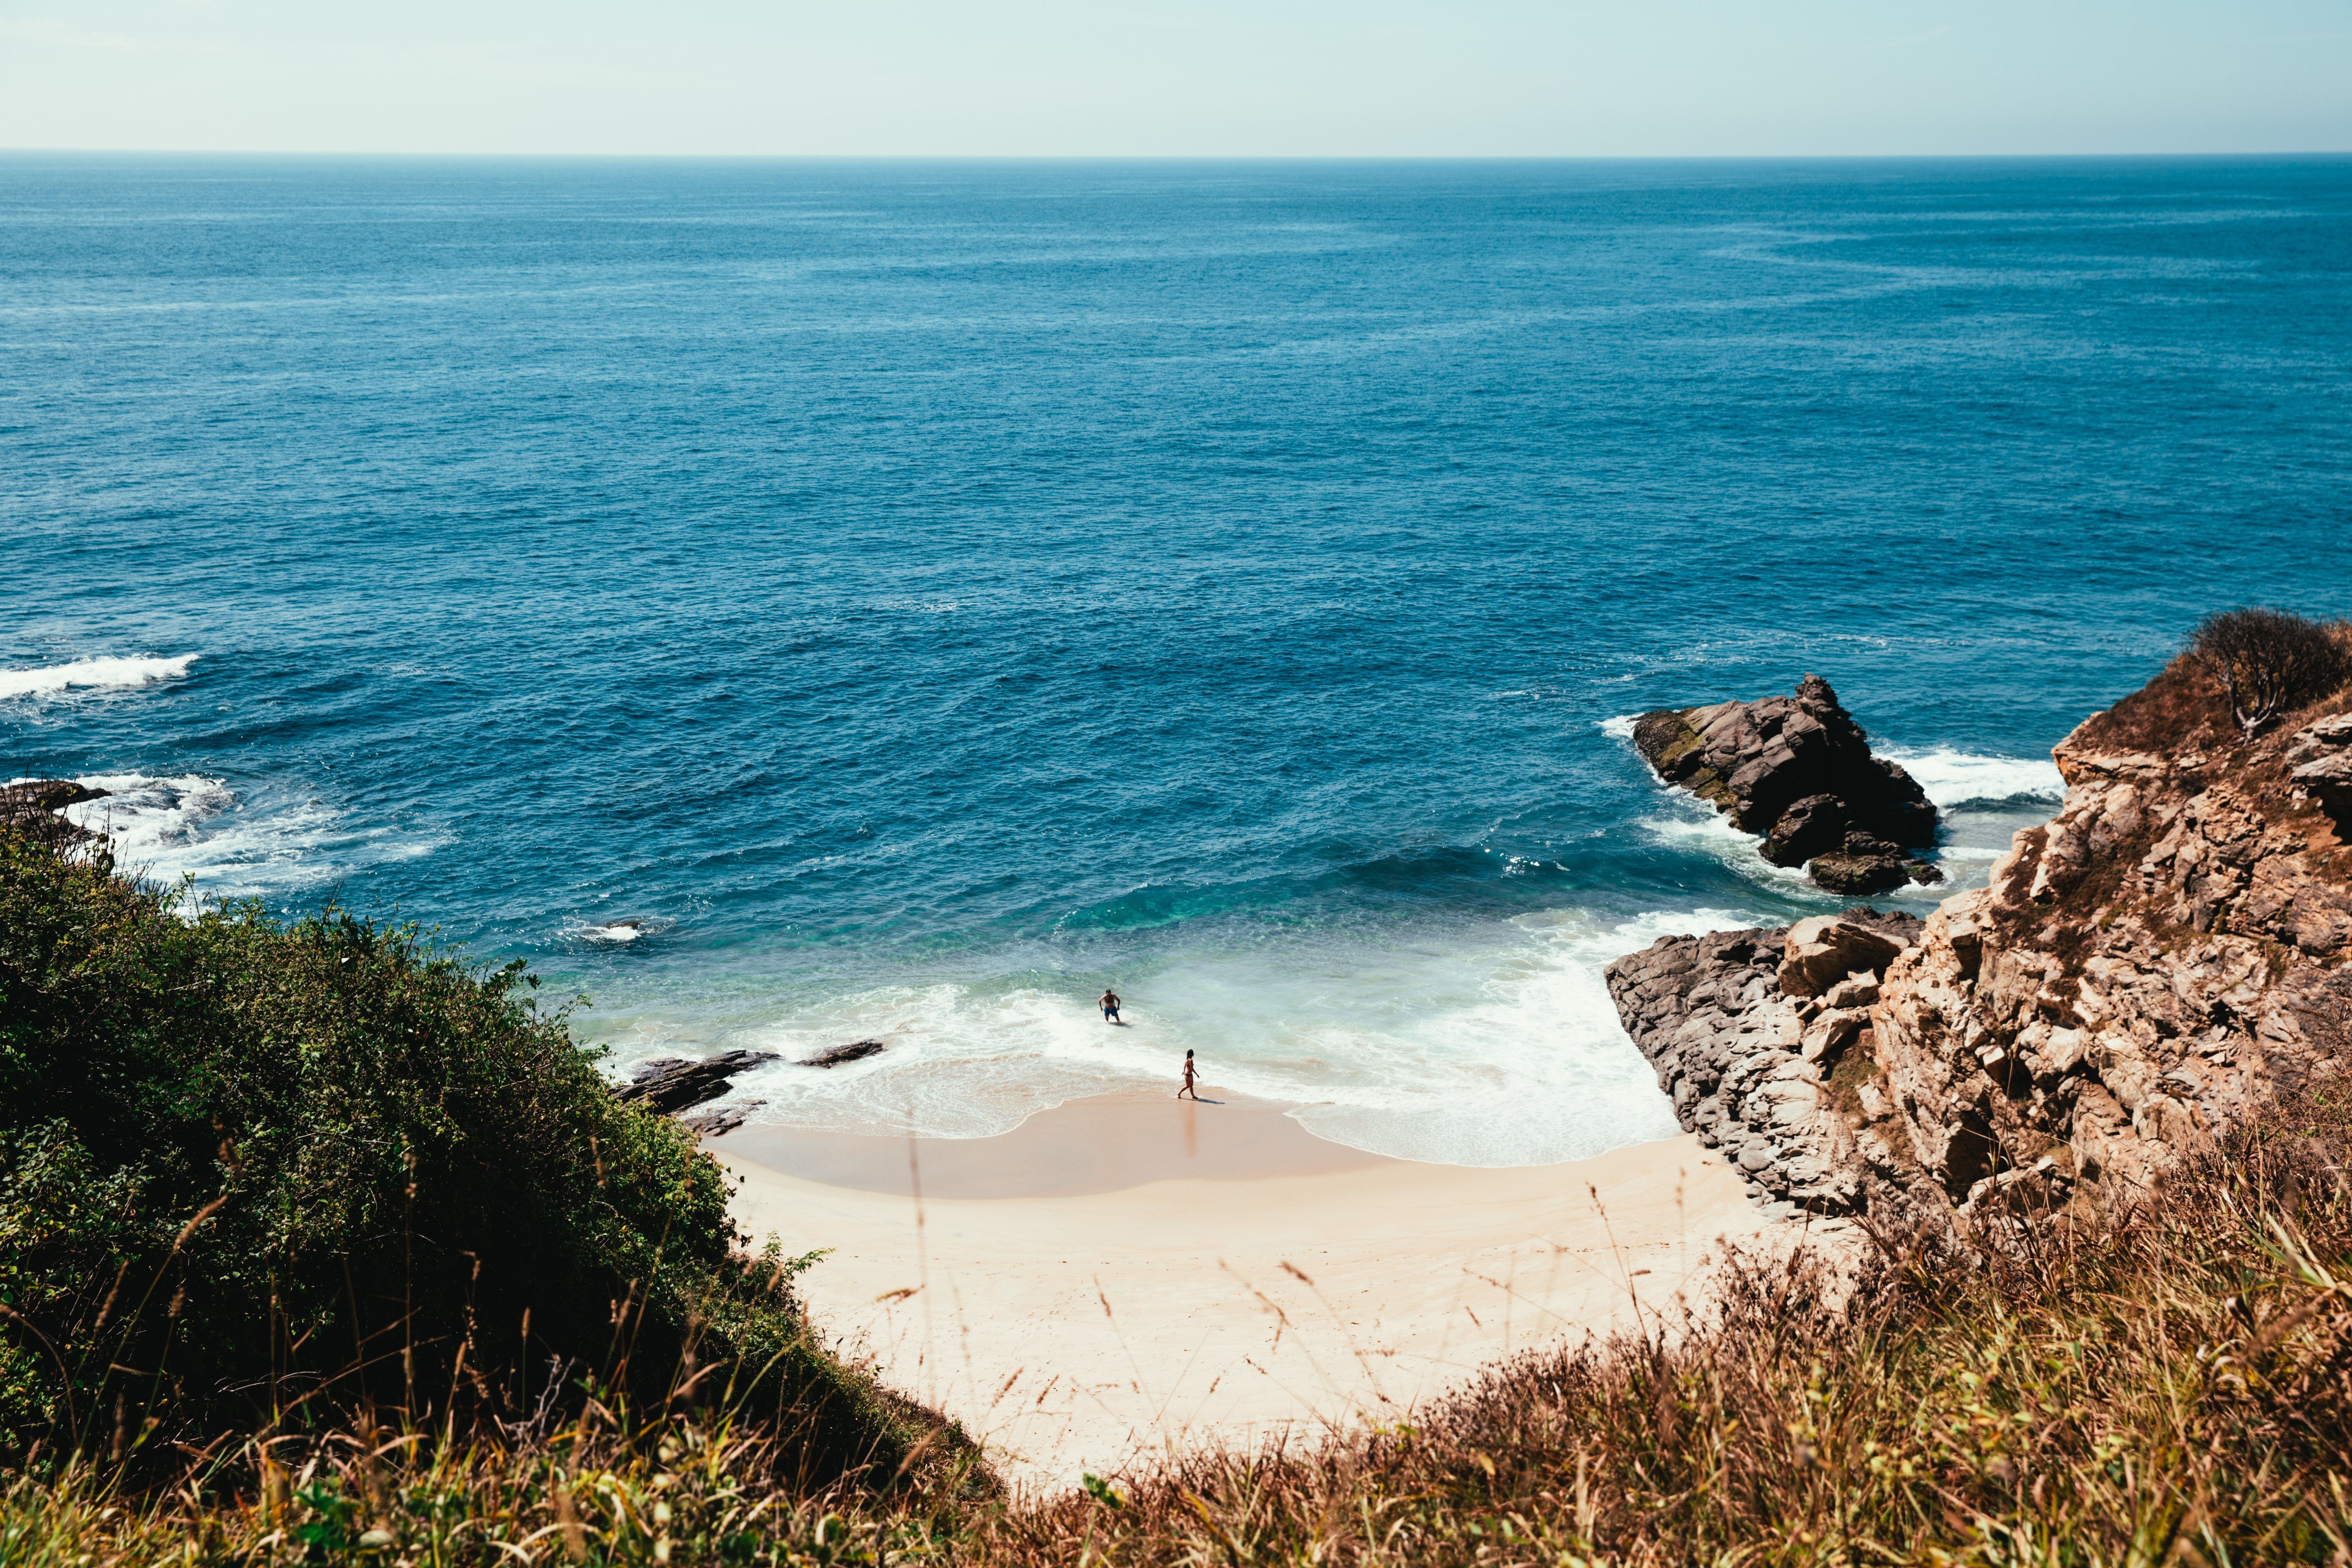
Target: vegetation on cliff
(260,1178)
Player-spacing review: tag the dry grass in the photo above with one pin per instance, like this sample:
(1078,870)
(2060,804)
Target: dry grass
(2177,1387)
(2180,1388)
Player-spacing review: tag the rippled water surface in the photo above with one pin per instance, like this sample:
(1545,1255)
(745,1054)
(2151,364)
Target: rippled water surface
(920,596)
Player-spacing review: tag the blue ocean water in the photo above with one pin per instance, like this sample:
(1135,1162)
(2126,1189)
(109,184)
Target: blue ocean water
(922,595)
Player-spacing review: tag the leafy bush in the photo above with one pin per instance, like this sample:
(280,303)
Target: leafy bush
(2268,661)
(253,1174)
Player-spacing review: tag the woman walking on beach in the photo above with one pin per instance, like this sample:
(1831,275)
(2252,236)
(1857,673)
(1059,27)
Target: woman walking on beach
(1188,1079)
(1111,1006)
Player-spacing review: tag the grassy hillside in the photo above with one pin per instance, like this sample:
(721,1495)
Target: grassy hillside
(259,1177)
(286,1191)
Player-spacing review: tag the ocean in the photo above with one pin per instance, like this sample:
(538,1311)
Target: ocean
(922,595)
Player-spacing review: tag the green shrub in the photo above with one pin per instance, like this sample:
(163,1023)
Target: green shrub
(256,1173)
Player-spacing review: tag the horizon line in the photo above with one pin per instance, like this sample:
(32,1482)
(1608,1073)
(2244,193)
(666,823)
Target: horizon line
(2311,153)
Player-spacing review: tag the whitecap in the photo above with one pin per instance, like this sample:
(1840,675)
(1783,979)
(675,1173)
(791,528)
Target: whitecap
(1953,777)
(168,827)
(92,673)
(619,932)
(1620,728)
(1714,837)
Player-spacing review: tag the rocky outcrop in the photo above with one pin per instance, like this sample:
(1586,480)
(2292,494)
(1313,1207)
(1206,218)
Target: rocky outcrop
(1748,1031)
(718,1119)
(673,1083)
(834,1056)
(2152,969)
(2168,960)
(1797,769)
(32,808)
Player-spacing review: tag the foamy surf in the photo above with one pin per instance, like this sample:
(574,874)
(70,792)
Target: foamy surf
(1712,834)
(616,932)
(1494,1048)
(95,674)
(1955,778)
(170,827)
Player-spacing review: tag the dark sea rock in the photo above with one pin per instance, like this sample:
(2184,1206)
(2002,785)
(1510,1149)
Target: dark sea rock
(1798,770)
(673,1083)
(1864,864)
(719,1120)
(856,1051)
(31,808)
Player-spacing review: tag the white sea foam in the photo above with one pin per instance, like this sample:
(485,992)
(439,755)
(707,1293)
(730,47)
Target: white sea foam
(176,826)
(1621,728)
(1699,829)
(1496,1046)
(1953,777)
(51,679)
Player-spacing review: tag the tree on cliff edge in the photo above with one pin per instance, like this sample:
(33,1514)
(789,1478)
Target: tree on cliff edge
(2267,661)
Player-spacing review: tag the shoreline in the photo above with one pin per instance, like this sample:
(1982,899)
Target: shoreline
(1100,1143)
(1099,1328)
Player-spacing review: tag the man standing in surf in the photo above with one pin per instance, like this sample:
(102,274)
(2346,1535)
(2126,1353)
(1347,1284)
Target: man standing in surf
(1188,1088)
(1111,1006)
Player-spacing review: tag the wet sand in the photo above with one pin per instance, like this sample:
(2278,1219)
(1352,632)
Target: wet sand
(1097,1145)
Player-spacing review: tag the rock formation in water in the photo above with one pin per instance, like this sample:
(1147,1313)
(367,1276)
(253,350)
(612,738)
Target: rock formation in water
(2168,957)
(1797,769)
(834,1056)
(673,1083)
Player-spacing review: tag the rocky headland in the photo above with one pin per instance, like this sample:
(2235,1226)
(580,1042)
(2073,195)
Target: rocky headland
(2167,959)
(1797,769)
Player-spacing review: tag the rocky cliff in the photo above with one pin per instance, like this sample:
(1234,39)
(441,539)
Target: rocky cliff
(2168,956)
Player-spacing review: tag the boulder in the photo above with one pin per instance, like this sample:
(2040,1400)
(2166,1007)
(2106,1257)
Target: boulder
(718,1119)
(1864,864)
(673,1083)
(834,1056)
(2322,755)
(1798,770)
(1814,826)
(1820,954)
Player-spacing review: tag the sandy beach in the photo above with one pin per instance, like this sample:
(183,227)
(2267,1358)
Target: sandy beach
(1125,1276)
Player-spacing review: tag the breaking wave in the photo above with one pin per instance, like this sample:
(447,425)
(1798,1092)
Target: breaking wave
(93,674)
(1955,778)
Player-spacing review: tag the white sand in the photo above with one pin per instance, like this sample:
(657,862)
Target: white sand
(1084,1333)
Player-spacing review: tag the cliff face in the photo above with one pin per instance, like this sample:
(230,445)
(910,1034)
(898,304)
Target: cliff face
(2170,955)
(2163,958)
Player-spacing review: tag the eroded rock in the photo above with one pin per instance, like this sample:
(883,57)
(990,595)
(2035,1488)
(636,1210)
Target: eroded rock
(834,1056)
(1749,1067)
(1798,770)
(2151,969)
(1821,952)
(32,807)
(673,1083)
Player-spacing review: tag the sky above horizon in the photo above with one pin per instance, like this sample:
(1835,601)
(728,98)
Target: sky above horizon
(1209,78)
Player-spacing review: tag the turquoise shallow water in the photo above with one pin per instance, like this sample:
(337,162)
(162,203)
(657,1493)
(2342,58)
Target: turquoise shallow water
(924,594)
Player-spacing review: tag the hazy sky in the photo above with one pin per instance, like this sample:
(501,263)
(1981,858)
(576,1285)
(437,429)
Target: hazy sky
(1297,77)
